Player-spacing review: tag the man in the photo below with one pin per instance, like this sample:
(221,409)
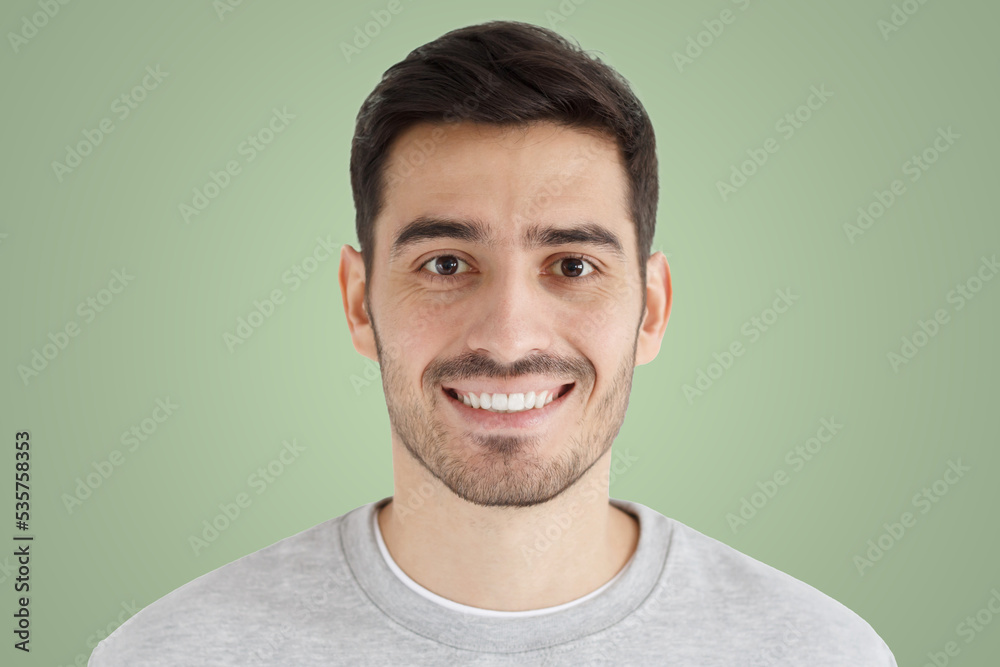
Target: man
(506,191)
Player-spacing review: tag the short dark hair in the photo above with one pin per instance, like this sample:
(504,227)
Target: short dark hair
(504,73)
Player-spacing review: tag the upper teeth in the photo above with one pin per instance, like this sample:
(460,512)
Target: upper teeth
(508,402)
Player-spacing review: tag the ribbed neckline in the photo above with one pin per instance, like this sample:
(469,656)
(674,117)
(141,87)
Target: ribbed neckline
(462,630)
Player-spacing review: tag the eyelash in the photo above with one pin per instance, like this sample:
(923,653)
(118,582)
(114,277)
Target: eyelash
(437,277)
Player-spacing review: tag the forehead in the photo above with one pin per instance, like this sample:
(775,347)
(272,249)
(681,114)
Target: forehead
(542,175)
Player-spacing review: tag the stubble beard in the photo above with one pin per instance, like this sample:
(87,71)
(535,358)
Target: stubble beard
(502,470)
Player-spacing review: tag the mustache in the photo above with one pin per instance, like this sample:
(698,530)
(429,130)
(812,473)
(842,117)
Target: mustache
(472,365)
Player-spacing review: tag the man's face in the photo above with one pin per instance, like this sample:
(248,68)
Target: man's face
(456,313)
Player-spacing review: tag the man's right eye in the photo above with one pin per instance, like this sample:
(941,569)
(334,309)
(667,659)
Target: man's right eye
(443,266)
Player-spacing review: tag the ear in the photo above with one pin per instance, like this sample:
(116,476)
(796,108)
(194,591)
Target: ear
(352,289)
(659,296)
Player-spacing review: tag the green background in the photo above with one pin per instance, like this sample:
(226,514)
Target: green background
(298,376)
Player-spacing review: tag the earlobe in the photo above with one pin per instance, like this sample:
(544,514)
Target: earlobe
(352,291)
(659,296)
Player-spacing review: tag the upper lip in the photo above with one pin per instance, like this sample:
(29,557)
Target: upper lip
(521,387)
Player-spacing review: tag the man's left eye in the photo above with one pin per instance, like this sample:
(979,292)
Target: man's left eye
(573,267)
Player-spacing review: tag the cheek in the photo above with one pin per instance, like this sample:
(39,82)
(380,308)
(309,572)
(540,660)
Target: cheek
(606,338)
(597,328)
(428,321)
(413,332)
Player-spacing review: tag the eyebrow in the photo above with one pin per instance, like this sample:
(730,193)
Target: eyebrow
(475,231)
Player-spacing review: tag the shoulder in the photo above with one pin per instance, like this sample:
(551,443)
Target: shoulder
(220,614)
(787,616)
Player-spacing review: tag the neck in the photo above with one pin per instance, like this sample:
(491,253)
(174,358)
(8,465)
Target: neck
(506,558)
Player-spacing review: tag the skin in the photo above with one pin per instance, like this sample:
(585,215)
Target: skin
(471,502)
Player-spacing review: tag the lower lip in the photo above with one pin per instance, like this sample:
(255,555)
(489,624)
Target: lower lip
(496,420)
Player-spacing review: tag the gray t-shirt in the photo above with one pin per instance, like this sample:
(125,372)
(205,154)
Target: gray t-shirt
(327,596)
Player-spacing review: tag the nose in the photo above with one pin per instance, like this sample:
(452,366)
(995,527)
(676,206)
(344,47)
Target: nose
(510,316)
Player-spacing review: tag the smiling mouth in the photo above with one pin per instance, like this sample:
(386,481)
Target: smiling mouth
(521,401)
